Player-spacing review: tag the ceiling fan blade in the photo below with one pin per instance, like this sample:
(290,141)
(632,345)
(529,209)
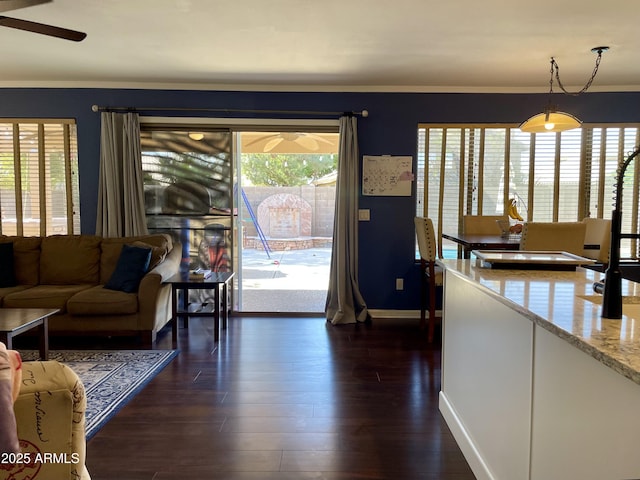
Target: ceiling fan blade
(318,138)
(7,5)
(307,142)
(273,143)
(42,28)
(264,138)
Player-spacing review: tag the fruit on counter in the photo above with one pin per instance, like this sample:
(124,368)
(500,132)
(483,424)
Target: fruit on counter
(517,228)
(511,209)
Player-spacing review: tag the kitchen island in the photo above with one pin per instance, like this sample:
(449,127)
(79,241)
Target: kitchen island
(535,384)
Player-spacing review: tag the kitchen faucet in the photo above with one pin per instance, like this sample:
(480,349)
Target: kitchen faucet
(612,295)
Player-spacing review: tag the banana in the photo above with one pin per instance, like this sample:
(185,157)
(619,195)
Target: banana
(516,214)
(508,207)
(511,209)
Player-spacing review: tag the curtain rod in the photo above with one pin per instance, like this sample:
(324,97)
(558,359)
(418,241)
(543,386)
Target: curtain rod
(97,108)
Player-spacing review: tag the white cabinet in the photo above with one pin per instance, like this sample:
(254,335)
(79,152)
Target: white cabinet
(523,403)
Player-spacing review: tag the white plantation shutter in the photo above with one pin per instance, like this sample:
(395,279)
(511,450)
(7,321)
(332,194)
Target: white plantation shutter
(39,192)
(473,169)
(566,206)
(492,157)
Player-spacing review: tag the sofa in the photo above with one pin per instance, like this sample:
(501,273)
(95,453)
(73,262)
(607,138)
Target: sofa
(76,274)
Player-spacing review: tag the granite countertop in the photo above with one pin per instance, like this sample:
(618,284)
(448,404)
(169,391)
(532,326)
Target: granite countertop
(564,303)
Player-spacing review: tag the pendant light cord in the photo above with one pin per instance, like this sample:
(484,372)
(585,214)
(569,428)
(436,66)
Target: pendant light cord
(555,68)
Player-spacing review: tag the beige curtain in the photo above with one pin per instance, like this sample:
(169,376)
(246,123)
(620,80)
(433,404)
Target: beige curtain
(344,301)
(121,188)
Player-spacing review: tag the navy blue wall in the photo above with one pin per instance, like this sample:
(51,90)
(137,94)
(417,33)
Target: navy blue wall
(387,241)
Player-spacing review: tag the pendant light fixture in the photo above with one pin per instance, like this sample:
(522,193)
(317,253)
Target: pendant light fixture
(551,120)
(197,136)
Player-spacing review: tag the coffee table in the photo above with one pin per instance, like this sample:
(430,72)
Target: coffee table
(216,281)
(14,321)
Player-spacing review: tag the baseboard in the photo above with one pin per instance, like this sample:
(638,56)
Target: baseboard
(403,314)
(400,314)
(464,441)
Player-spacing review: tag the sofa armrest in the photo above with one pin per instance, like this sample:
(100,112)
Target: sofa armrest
(160,274)
(154,291)
(170,265)
(50,416)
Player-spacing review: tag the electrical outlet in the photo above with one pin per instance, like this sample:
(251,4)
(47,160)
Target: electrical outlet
(399,283)
(364,214)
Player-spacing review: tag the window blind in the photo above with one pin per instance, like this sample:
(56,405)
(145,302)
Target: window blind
(39,190)
(475,169)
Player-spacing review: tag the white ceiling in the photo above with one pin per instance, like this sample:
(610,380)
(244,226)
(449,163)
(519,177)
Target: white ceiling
(334,45)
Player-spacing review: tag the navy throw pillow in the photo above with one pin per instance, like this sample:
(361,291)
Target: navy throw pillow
(131,267)
(7,272)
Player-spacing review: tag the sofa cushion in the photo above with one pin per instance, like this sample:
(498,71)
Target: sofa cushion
(7,273)
(9,290)
(111,248)
(70,259)
(43,296)
(102,301)
(26,258)
(131,267)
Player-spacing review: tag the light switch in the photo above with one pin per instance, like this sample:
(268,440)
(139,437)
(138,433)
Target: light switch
(364,214)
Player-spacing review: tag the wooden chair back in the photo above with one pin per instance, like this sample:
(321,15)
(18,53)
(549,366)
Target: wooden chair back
(598,232)
(483,224)
(554,236)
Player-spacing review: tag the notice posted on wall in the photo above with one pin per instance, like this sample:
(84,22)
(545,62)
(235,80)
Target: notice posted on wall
(387,175)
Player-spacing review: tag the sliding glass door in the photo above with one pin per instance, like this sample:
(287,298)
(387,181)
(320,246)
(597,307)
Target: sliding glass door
(188,192)
(285,202)
(258,201)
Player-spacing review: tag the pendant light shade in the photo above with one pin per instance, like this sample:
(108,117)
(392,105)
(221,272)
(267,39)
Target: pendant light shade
(197,136)
(550,122)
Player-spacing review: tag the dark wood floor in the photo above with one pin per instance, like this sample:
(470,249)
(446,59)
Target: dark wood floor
(286,399)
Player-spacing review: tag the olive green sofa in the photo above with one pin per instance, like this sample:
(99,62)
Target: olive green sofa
(69,272)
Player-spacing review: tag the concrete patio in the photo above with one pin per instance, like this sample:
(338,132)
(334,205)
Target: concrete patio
(287,281)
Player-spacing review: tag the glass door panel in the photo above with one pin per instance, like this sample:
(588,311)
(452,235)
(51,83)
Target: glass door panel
(285,203)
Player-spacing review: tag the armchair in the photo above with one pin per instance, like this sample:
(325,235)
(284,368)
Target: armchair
(50,418)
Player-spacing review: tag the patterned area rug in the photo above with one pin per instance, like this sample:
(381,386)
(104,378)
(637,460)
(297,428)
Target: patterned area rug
(110,378)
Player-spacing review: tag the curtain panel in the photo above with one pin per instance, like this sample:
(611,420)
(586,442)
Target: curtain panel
(344,302)
(121,210)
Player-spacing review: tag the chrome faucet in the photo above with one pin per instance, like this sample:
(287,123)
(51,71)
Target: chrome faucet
(612,296)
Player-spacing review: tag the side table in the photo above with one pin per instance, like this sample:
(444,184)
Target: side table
(14,321)
(216,281)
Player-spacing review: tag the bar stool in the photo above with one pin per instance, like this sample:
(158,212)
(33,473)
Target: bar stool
(431,274)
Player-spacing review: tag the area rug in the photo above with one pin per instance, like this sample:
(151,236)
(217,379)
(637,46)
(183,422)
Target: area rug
(111,378)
